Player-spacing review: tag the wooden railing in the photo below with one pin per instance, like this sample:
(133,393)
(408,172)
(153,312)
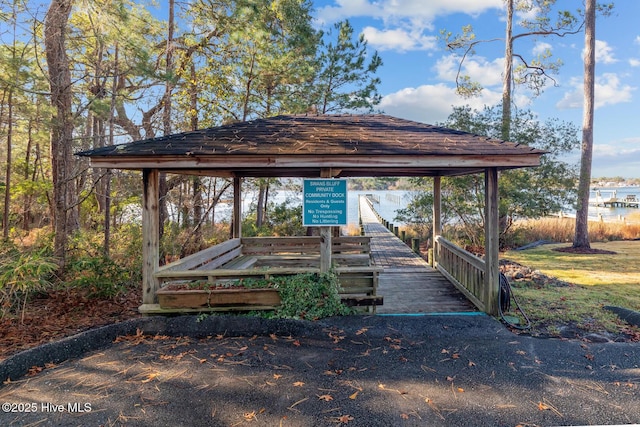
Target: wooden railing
(463,269)
(264,257)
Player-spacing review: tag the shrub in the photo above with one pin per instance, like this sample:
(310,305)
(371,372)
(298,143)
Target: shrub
(100,275)
(310,296)
(105,276)
(23,274)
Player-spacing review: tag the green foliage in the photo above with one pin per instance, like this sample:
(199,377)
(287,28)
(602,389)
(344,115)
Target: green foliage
(524,193)
(284,219)
(100,275)
(532,72)
(310,296)
(105,276)
(23,273)
(418,212)
(345,80)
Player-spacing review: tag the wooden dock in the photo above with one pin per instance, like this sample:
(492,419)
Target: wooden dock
(610,199)
(409,284)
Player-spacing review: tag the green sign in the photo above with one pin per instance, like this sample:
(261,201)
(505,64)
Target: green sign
(324,202)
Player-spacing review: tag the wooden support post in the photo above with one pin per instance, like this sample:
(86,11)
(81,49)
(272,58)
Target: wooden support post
(325,233)
(150,235)
(437,216)
(491,246)
(415,245)
(325,249)
(237,208)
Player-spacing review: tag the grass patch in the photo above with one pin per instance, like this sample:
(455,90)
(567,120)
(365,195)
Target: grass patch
(563,230)
(596,281)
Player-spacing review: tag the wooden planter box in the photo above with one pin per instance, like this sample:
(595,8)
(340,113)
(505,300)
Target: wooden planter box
(253,299)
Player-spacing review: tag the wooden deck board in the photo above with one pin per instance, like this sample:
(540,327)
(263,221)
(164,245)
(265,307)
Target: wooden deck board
(409,284)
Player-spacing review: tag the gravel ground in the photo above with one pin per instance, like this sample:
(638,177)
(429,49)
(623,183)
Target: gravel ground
(355,371)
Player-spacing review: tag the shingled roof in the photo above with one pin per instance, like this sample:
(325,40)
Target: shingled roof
(302,145)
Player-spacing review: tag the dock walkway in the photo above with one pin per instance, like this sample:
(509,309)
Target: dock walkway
(409,284)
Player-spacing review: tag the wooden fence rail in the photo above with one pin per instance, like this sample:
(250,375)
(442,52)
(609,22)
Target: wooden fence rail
(463,269)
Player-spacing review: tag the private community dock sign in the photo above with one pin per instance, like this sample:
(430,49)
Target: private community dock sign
(324,202)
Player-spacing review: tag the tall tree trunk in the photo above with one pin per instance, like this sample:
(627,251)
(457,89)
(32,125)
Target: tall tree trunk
(197,182)
(26,206)
(166,117)
(7,188)
(64,194)
(260,204)
(107,177)
(581,238)
(506,79)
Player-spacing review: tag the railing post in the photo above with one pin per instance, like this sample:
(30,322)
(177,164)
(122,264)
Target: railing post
(415,245)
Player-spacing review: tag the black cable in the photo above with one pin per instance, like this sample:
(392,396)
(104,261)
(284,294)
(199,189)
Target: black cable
(504,303)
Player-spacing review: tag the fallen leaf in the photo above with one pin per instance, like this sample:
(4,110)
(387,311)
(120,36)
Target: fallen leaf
(273,337)
(354,395)
(326,397)
(444,351)
(460,390)
(298,384)
(277,376)
(361,331)
(455,356)
(34,370)
(150,377)
(296,343)
(404,416)
(471,364)
(345,419)
(589,356)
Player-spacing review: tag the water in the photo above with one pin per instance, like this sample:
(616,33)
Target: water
(392,200)
(611,213)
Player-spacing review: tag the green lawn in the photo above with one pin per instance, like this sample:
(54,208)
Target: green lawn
(597,280)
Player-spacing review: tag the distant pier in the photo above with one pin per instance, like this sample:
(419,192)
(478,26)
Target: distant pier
(610,199)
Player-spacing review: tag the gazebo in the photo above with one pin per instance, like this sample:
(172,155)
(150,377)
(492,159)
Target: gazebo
(328,146)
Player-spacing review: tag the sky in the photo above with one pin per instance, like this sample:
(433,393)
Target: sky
(418,74)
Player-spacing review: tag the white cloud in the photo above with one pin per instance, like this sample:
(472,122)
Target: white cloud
(608,91)
(617,158)
(431,103)
(541,48)
(398,39)
(487,73)
(418,12)
(604,53)
(634,62)
(637,40)
(344,9)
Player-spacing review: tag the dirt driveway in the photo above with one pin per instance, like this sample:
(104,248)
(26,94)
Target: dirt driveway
(354,371)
